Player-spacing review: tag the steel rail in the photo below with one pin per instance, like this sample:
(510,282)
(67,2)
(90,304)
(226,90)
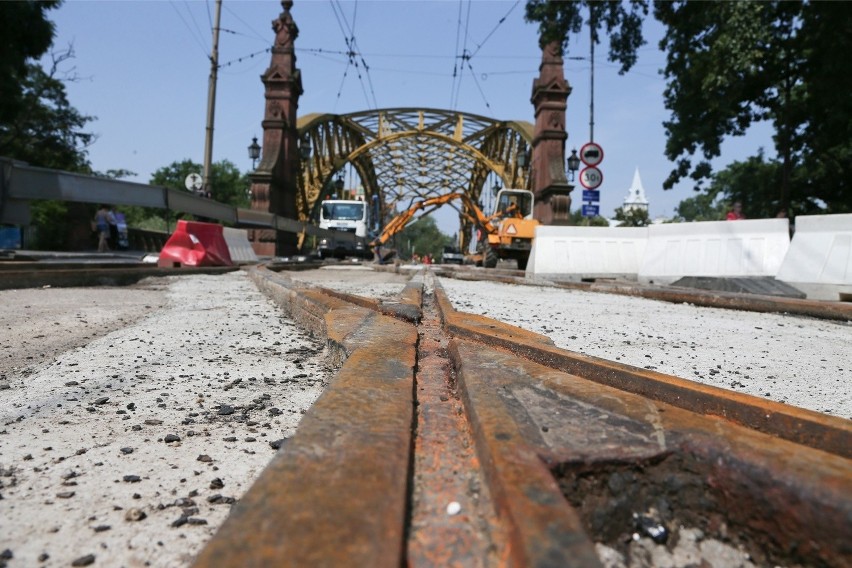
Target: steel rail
(452,439)
(459,440)
(841,311)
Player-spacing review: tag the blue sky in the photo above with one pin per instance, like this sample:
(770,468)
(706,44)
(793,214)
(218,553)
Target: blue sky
(143,70)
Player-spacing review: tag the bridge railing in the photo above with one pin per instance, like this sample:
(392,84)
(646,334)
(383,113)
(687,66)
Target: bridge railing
(21,183)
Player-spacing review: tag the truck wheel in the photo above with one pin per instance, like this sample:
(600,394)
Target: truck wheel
(522,263)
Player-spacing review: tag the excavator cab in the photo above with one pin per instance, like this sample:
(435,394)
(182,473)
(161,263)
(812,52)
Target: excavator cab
(514,203)
(514,229)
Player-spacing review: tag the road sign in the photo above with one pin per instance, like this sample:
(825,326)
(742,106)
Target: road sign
(591,178)
(193,182)
(591,195)
(590,210)
(591,154)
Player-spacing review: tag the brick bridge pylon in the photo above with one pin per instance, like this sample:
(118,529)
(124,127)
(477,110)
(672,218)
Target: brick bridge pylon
(275,183)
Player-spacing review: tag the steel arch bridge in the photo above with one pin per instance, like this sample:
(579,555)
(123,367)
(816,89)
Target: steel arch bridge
(404,154)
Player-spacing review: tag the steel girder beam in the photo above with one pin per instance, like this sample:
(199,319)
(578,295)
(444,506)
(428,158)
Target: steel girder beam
(403,154)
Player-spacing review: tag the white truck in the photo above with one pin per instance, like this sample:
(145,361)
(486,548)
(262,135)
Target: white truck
(345,216)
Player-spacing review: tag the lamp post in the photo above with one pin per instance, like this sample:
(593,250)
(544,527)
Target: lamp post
(522,156)
(305,147)
(254,152)
(573,163)
(338,185)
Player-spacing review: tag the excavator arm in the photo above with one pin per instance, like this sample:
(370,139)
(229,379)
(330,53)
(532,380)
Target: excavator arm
(469,210)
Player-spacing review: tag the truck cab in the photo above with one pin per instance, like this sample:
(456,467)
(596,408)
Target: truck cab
(345,216)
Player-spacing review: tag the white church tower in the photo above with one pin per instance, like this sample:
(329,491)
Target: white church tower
(636,195)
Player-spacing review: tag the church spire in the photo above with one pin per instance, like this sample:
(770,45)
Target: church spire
(636,195)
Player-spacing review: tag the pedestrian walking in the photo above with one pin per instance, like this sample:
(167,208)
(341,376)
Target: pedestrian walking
(102,225)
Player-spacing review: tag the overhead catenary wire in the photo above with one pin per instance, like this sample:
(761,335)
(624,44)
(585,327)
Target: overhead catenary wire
(355,58)
(257,35)
(455,60)
(194,33)
(466,55)
(499,23)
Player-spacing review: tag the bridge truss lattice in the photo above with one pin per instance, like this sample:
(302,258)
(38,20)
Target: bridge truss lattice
(405,154)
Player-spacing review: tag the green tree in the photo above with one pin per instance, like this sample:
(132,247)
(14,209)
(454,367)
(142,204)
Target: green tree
(37,123)
(422,237)
(632,217)
(40,127)
(732,64)
(47,131)
(577,218)
(26,35)
(558,19)
(228,184)
(702,207)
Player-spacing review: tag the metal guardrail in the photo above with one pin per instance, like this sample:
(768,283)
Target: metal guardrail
(21,183)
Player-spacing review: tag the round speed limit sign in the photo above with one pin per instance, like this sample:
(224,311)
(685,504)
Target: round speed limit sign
(591,177)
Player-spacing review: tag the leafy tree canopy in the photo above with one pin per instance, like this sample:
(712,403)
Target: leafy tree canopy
(557,20)
(46,130)
(227,183)
(702,207)
(634,217)
(577,218)
(37,123)
(25,34)
(731,64)
(422,237)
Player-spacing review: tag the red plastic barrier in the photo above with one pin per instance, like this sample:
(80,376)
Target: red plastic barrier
(195,244)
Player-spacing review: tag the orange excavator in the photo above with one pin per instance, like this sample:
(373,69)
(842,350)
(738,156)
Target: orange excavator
(507,234)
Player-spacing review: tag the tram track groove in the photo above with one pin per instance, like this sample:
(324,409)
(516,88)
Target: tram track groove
(552,428)
(546,454)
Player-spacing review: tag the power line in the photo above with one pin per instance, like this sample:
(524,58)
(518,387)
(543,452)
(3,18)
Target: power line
(189,28)
(485,100)
(244,57)
(352,47)
(499,23)
(455,61)
(257,35)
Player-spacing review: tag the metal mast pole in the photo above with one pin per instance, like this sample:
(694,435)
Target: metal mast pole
(211,100)
(592,99)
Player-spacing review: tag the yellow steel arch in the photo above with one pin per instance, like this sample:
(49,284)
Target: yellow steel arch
(402,154)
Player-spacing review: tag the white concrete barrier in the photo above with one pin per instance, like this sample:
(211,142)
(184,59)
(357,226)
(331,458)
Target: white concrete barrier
(714,248)
(819,261)
(574,253)
(239,246)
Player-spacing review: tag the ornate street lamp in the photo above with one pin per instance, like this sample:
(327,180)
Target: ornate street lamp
(338,185)
(522,156)
(573,163)
(254,152)
(305,147)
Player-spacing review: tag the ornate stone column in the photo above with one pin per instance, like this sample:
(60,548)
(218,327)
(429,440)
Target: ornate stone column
(274,183)
(549,97)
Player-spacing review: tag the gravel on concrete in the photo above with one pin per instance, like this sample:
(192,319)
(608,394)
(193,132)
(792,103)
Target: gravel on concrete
(796,360)
(361,280)
(132,418)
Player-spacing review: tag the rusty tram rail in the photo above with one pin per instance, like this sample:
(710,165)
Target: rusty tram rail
(452,439)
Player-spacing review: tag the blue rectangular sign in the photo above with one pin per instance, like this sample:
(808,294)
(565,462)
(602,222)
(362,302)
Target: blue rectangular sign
(591,195)
(590,210)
